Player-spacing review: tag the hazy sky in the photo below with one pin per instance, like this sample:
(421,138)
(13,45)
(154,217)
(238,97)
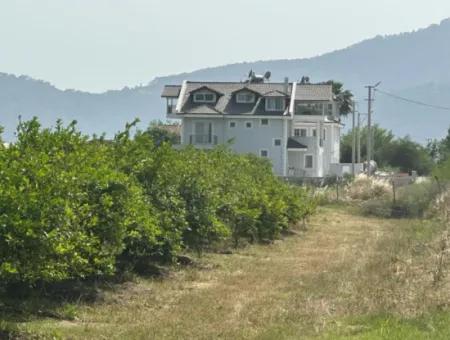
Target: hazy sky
(103,44)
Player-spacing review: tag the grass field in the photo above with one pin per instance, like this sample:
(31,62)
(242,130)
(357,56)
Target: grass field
(347,276)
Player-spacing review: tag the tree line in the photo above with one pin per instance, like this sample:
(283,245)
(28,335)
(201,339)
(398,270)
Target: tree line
(74,207)
(402,154)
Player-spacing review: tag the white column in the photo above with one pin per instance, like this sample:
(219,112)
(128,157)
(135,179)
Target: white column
(284,158)
(319,163)
(182,133)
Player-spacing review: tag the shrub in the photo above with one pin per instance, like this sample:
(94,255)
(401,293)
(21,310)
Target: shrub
(364,187)
(381,207)
(415,199)
(73,207)
(64,210)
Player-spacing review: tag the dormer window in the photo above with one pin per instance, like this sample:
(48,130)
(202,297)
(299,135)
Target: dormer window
(245,97)
(204,97)
(275,104)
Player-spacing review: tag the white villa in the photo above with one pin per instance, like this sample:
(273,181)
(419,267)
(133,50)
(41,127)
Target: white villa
(296,125)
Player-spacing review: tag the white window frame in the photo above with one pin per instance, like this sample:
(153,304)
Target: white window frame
(204,93)
(264,125)
(232,122)
(268,99)
(251,124)
(304,161)
(295,132)
(305,130)
(273,142)
(245,94)
(261,151)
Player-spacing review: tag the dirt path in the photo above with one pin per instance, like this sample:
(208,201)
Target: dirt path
(293,288)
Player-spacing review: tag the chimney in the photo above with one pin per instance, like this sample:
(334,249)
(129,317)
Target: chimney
(286,85)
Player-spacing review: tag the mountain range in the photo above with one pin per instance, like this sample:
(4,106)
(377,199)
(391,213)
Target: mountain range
(413,65)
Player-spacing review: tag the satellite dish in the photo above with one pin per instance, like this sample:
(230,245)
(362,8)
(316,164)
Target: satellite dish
(267,75)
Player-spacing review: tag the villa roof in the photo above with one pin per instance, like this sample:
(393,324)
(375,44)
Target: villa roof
(171,91)
(294,143)
(319,92)
(226,104)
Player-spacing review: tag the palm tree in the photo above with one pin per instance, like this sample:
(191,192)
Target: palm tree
(344,97)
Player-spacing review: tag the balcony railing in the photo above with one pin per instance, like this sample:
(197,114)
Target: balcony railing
(203,139)
(296,172)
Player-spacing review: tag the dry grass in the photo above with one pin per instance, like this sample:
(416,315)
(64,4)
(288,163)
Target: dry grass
(345,265)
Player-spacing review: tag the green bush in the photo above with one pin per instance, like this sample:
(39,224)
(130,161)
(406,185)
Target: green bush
(73,207)
(414,200)
(64,210)
(411,201)
(380,207)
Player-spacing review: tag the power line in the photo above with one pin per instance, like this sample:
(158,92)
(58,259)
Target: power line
(412,101)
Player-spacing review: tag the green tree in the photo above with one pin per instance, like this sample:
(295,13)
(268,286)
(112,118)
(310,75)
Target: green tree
(344,97)
(160,134)
(407,155)
(382,138)
(401,153)
(439,150)
(442,171)
(65,210)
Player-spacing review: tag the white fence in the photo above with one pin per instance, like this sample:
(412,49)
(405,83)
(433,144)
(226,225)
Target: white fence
(341,169)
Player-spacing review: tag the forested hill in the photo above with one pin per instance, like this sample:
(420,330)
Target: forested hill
(414,65)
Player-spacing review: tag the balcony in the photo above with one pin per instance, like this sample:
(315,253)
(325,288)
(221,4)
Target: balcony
(203,139)
(309,141)
(171,109)
(314,109)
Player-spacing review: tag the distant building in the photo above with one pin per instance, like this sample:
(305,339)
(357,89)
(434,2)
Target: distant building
(295,125)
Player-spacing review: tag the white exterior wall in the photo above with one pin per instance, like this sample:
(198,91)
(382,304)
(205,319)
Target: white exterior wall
(243,139)
(331,146)
(257,138)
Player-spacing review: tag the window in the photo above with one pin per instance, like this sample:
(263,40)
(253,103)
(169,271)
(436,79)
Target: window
(275,104)
(308,161)
(204,97)
(232,124)
(248,125)
(264,122)
(245,97)
(202,133)
(277,142)
(264,153)
(324,134)
(309,109)
(300,132)
(314,132)
(330,109)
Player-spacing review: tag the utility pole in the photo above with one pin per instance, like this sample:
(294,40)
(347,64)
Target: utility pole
(370,88)
(358,140)
(353,138)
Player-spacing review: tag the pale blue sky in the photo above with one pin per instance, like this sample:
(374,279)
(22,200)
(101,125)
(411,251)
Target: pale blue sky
(106,44)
